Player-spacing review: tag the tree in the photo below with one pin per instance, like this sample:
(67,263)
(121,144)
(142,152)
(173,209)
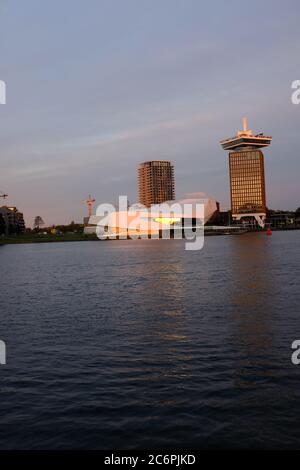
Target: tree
(38,221)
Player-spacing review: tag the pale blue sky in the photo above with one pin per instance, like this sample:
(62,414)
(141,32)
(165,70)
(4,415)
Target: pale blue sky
(95,87)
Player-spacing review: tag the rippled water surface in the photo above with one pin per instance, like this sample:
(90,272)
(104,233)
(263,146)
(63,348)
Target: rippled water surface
(141,344)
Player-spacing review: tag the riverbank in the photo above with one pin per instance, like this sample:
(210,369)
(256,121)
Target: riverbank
(49,238)
(81,237)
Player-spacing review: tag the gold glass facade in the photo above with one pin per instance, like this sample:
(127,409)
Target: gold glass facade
(156,182)
(247,182)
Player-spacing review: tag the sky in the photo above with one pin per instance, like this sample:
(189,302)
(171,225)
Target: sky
(95,87)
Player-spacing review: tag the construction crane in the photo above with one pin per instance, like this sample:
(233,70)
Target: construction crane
(90,202)
(4,196)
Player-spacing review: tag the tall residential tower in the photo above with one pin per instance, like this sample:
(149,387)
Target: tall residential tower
(247,174)
(156,182)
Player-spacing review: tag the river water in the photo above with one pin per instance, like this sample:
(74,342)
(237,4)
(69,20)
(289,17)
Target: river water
(142,344)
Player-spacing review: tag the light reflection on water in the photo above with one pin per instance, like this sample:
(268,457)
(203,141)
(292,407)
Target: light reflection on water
(252,294)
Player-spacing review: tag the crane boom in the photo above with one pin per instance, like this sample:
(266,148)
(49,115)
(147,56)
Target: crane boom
(3,195)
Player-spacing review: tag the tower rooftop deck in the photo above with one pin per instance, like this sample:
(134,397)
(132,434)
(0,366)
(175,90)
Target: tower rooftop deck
(246,138)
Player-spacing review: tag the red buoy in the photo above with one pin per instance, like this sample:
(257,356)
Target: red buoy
(269,231)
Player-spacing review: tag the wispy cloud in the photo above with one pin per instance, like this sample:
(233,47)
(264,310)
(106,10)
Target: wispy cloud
(136,132)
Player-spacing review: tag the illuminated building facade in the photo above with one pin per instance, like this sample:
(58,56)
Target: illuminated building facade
(140,222)
(156,182)
(247,175)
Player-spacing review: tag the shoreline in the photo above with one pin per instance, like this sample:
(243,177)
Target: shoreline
(93,237)
(47,239)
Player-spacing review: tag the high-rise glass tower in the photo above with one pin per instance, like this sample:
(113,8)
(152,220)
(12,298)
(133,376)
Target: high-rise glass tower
(156,182)
(247,174)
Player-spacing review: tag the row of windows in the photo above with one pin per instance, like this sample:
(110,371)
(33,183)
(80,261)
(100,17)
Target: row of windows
(247,181)
(241,187)
(246,193)
(246,174)
(245,170)
(246,161)
(256,155)
(243,203)
(246,184)
(246,197)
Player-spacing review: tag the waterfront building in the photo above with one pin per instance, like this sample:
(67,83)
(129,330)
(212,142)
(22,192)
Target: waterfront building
(156,182)
(11,221)
(140,221)
(247,174)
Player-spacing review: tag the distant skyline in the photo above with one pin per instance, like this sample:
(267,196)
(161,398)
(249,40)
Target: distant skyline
(95,88)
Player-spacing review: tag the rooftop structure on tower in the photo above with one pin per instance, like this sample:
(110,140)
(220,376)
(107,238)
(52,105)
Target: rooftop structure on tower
(246,139)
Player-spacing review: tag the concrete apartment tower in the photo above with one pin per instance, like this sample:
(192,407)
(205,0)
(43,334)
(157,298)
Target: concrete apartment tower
(156,182)
(247,174)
